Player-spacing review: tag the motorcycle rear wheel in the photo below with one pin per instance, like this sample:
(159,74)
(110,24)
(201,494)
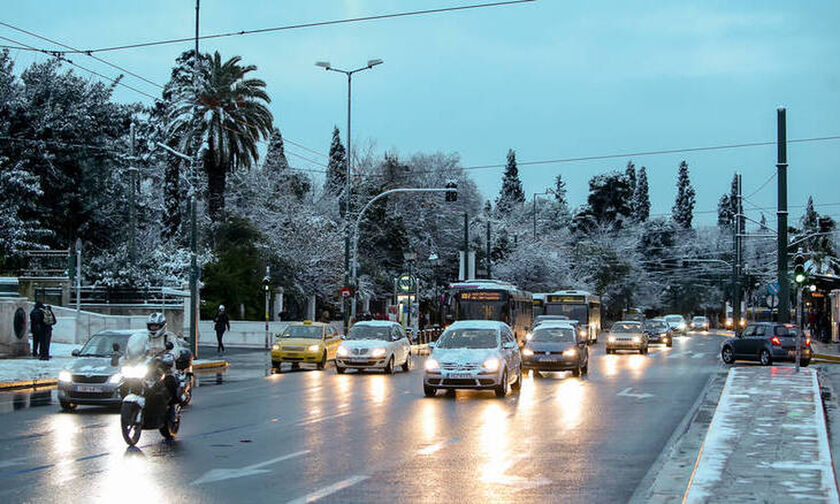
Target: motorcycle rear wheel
(130,430)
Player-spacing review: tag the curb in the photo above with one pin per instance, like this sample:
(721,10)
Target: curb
(28,384)
(211,365)
(835,359)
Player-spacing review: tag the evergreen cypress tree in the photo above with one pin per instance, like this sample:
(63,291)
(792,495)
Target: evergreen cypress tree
(810,220)
(683,209)
(725,215)
(630,173)
(275,156)
(511,193)
(641,197)
(334,183)
(560,191)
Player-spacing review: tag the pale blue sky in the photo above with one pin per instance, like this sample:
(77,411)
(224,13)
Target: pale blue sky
(552,79)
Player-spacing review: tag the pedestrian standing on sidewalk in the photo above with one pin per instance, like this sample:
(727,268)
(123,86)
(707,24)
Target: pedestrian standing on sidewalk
(36,326)
(221,323)
(46,337)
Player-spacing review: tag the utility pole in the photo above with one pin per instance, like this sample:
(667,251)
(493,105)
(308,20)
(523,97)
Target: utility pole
(267,289)
(736,264)
(193,340)
(798,325)
(466,246)
(132,211)
(487,257)
(782,217)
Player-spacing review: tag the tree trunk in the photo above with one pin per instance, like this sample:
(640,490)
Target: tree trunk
(216,179)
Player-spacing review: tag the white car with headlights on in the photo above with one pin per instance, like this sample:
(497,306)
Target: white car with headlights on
(474,354)
(627,335)
(677,323)
(374,344)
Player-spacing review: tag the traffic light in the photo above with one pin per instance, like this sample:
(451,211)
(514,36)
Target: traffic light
(799,274)
(266,284)
(452,195)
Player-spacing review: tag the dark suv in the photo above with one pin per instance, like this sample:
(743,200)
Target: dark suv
(766,342)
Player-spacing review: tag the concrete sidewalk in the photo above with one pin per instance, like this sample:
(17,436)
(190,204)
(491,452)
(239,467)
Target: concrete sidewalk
(767,441)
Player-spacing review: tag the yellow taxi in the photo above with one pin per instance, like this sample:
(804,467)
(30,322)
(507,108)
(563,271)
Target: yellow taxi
(307,341)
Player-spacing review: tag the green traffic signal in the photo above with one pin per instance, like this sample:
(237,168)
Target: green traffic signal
(800,278)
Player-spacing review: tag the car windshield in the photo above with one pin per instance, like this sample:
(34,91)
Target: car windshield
(674,318)
(362,332)
(656,326)
(102,345)
(554,335)
(468,338)
(699,319)
(299,331)
(624,327)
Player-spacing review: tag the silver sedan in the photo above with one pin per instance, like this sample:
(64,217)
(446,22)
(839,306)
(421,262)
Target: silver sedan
(627,335)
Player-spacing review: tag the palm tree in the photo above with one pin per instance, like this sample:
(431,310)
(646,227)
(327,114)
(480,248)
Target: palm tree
(223,117)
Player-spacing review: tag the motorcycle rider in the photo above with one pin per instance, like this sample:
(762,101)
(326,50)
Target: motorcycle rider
(153,344)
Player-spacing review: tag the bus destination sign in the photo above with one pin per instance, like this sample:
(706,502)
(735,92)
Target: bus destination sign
(480,296)
(566,299)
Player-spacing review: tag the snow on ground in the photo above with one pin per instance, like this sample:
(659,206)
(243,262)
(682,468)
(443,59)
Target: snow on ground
(30,368)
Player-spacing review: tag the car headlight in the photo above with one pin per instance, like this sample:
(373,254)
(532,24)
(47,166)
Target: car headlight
(116,378)
(313,348)
(276,346)
(527,352)
(663,335)
(492,364)
(582,332)
(528,336)
(65,376)
(342,351)
(570,352)
(138,371)
(611,339)
(682,326)
(377,352)
(637,339)
(432,365)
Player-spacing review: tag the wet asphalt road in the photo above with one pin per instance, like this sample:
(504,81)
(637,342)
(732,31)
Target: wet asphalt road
(310,436)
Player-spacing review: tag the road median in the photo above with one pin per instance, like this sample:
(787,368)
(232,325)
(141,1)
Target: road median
(201,364)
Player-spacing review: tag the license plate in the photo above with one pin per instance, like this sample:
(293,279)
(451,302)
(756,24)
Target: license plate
(464,376)
(791,353)
(548,359)
(87,388)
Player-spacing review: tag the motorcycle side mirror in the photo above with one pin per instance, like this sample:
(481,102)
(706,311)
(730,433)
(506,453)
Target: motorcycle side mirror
(169,345)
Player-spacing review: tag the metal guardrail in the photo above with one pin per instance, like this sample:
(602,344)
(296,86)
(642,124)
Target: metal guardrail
(160,296)
(424,337)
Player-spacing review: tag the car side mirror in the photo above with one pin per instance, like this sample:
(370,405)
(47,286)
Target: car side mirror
(509,345)
(116,347)
(169,345)
(76,352)
(431,344)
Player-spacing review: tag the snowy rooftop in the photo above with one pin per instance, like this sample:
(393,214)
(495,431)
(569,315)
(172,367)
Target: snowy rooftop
(484,284)
(476,324)
(375,323)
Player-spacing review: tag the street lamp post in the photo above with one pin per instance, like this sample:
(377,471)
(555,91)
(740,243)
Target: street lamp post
(349,73)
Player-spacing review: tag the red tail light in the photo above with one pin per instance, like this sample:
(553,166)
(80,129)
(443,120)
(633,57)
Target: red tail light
(775,341)
(807,341)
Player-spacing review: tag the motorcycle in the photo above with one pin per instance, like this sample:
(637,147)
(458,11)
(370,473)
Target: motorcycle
(148,402)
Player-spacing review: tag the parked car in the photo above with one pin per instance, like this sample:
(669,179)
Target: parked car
(658,331)
(307,341)
(556,346)
(677,323)
(766,342)
(374,344)
(474,354)
(93,377)
(699,323)
(627,335)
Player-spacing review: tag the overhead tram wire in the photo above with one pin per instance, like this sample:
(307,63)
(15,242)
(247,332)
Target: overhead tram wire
(304,25)
(60,57)
(97,58)
(762,186)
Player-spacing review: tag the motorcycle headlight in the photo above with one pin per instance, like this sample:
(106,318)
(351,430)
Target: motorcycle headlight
(432,365)
(342,351)
(65,376)
(570,352)
(528,336)
(116,378)
(377,352)
(313,348)
(527,352)
(138,371)
(492,364)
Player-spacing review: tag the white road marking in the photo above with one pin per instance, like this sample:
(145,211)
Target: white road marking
(495,473)
(12,462)
(436,447)
(329,490)
(698,355)
(678,354)
(321,419)
(626,393)
(224,474)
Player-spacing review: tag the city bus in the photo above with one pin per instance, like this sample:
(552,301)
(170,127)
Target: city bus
(582,306)
(491,300)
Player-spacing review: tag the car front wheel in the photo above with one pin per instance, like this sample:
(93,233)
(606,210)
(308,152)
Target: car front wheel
(67,406)
(389,368)
(406,367)
(429,391)
(504,387)
(518,384)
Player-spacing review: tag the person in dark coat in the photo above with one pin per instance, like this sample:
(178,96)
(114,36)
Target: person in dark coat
(221,323)
(49,322)
(36,326)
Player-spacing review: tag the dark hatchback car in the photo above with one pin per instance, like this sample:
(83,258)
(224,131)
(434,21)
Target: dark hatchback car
(766,342)
(659,331)
(555,346)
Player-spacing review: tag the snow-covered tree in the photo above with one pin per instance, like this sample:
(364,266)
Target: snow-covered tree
(641,198)
(630,173)
(511,194)
(608,203)
(334,184)
(20,228)
(683,210)
(724,212)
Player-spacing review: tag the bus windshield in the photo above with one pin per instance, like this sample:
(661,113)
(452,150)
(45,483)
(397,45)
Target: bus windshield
(482,305)
(577,312)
